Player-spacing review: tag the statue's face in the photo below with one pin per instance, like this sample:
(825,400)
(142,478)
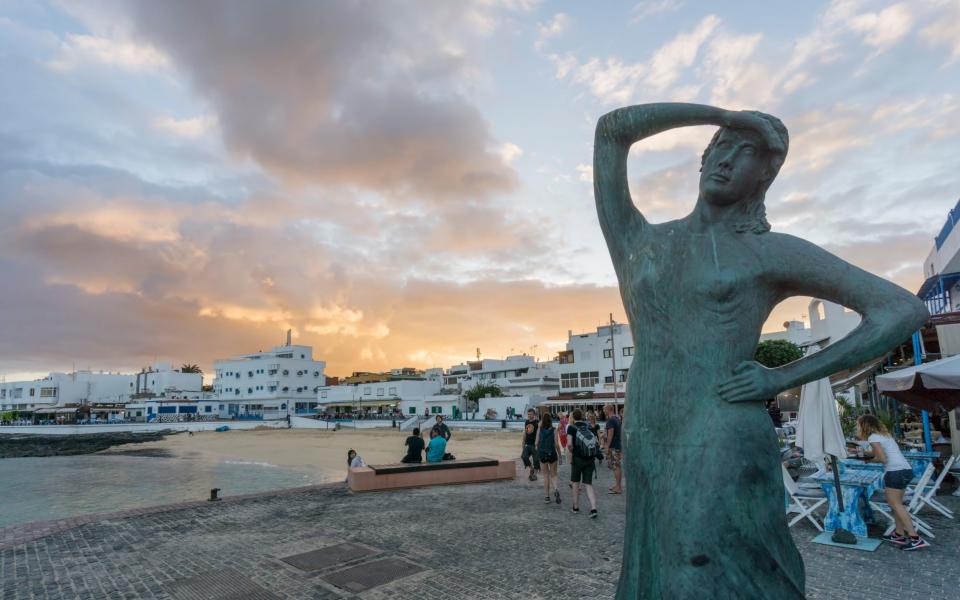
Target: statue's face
(734,167)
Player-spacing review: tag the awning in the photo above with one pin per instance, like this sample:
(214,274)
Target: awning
(55,411)
(925,386)
(581,401)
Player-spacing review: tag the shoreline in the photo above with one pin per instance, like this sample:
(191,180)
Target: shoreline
(39,446)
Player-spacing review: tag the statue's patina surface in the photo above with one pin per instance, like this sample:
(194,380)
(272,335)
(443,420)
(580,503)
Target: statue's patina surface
(705,514)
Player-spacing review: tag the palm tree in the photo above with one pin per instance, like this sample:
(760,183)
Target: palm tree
(190,368)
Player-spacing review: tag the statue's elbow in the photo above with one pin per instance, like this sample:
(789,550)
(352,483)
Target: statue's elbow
(918,314)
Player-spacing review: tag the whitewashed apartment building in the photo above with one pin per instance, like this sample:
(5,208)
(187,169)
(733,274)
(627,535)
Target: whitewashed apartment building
(524,381)
(58,390)
(390,396)
(590,365)
(269,384)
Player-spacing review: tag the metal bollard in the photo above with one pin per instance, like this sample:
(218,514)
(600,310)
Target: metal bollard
(213,495)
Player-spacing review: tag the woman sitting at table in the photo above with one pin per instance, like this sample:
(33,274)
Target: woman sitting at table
(897,473)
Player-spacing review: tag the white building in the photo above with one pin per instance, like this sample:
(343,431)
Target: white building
(408,396)
(590,363)
(941,270)
(793,331)
(829,321)
(161,410)
(271,384)
(515,375)
(57,390)
(161,379)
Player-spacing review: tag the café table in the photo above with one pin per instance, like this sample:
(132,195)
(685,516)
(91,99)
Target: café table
(856,484)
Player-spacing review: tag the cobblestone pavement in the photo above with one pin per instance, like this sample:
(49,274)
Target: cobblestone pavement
(497,540)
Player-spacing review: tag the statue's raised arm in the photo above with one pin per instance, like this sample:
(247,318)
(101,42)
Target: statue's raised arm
(620,220)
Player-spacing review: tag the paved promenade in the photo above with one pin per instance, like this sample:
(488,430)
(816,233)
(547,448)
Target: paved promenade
(496,540)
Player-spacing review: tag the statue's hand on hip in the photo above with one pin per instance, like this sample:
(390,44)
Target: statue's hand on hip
(750,382)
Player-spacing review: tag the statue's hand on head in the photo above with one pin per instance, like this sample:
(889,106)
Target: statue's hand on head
(751,382)
(762,124)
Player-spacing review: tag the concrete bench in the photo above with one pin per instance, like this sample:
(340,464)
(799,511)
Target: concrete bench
(407,475)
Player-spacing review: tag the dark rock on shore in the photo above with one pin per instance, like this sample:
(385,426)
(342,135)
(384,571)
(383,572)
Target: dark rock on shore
(19,446)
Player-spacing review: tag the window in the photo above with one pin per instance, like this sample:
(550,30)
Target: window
(623,376)
(392,391)
(608,378)
(33,391)
(366,391)
(412,410)
(272,388)
(286,389)
(628,350)
(286,371)
(249,373)
(249,390)
(48,392)
(316,373)
(568,380)
(323,394)
(589,378)
(379,391)
(436,410)
(608,353)
(206,408)
(566,357)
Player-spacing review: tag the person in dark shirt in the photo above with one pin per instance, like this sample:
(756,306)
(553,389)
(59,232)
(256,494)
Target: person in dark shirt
(441,428)
(415,446)
(774,411)
(612,450)
(582,467)
(528,444)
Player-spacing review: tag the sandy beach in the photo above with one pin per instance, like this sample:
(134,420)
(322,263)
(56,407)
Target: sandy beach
(319,452)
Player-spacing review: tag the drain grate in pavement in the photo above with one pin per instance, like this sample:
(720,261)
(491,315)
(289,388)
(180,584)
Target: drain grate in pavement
(370,575)
(224,584)
(327,557)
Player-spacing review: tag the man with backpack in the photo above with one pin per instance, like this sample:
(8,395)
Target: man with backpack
(585,446)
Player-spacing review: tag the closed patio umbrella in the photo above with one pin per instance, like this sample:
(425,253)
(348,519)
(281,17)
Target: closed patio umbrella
(819,434)
(818,426)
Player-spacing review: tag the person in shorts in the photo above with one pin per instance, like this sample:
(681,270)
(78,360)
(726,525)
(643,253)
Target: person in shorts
(612,450)
(897,473)
(581,467)
(548,442)
(528,443)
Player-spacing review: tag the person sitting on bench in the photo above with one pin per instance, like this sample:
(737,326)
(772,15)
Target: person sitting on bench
(414,446)
(437,447)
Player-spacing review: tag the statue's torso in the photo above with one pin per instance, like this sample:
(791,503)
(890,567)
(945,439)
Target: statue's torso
(696,304)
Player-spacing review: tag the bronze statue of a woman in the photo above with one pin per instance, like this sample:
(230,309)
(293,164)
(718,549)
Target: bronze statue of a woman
(705,512)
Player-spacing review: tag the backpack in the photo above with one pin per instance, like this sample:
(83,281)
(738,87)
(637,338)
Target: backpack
(546,442)
(585,443)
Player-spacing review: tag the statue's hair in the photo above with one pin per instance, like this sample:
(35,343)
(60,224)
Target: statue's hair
(753,210)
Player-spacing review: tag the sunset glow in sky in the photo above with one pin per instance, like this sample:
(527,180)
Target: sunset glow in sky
(401,183)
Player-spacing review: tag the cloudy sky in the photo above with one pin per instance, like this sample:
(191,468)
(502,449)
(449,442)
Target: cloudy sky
(401,183)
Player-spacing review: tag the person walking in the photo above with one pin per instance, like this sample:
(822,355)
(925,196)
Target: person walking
(897,473)
(612,450)
(528,443)
(583,447)
(548,440)
(564,422)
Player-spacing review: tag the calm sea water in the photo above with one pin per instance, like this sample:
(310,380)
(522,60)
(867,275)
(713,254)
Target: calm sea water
(39,489)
